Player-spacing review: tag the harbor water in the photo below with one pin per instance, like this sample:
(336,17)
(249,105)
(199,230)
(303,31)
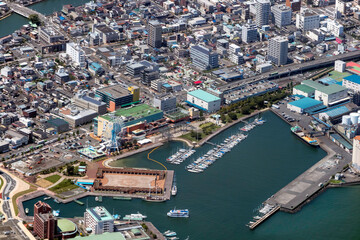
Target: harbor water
(15,21)
(222,199)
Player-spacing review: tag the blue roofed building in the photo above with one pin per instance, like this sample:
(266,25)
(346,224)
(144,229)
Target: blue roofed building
(352,82)
(306,105)
(334,114)
(96,69)
(203,100)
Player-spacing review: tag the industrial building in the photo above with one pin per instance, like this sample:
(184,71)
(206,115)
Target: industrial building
(334,115)
(352,82)
(306,105)
(303,90)
(332,94)
(130,116)
(116,96)
(203,101)
(99,220)
(356,153)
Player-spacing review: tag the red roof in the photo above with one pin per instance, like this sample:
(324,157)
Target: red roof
(197,82)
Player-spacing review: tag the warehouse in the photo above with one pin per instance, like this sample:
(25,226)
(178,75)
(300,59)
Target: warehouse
(304,90)
(203,101)
(331,95)
(335,114)
(305,105)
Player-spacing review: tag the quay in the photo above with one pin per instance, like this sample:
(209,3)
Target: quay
(315,179)
(266,216)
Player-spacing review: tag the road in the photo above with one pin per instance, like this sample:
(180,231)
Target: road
(294,69)
(10,186)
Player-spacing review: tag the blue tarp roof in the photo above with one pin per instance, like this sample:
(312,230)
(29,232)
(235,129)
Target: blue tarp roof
(353,78)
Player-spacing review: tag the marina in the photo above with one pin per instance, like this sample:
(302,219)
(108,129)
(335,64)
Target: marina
(180,156)
(203,162)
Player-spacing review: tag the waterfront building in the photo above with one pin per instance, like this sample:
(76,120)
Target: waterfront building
(282,15)
(154,34)
(305,105)
(203,57)
(352,82)
(356,153)
(262,12)
(132,117)
(45,223)
(76,54)
(307,20)
(332,94)
(249,33)
(203,100)
(278,50)
(115,96)
(99,220)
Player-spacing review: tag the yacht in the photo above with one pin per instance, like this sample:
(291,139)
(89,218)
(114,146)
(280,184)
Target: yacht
(174,190)
(170,233)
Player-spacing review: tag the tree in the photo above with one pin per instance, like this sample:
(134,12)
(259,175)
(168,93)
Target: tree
(91,128)
(70,170)
(34,18)
(232,115)
(77,132)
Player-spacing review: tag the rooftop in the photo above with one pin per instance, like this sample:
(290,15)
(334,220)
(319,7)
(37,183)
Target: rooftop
(115,91)
(104,236)
(353,78)
(305,103)
(337,111)
(304,88)
(66,225)
(136,112)
(312,84)
(331,89)
(100,213)
(205,96)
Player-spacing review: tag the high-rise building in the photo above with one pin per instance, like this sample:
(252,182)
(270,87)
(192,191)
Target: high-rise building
(356,153)
(76,54)
(154,34)
(249,33)
(278,50)
(307,20)
(282,15)
(203,57)
(262,12)
(99,220)
(45,225)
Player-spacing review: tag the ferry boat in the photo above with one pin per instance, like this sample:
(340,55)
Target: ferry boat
(178,213)
(299,132)
(135,217)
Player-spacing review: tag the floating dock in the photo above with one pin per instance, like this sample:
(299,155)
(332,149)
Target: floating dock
(122,198)
(78,202)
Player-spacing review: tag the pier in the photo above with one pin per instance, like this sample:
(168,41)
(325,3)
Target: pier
(212,143)
(314,180)
(263,218)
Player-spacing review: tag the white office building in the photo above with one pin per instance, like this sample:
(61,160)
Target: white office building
(307,20)
(99,220)
(278,50)
(233,48)
(335,28)
(340,66)
(282,15)
(262,12)
(249,33)
(76,54)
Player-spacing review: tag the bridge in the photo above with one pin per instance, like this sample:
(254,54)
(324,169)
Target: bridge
(25,11)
